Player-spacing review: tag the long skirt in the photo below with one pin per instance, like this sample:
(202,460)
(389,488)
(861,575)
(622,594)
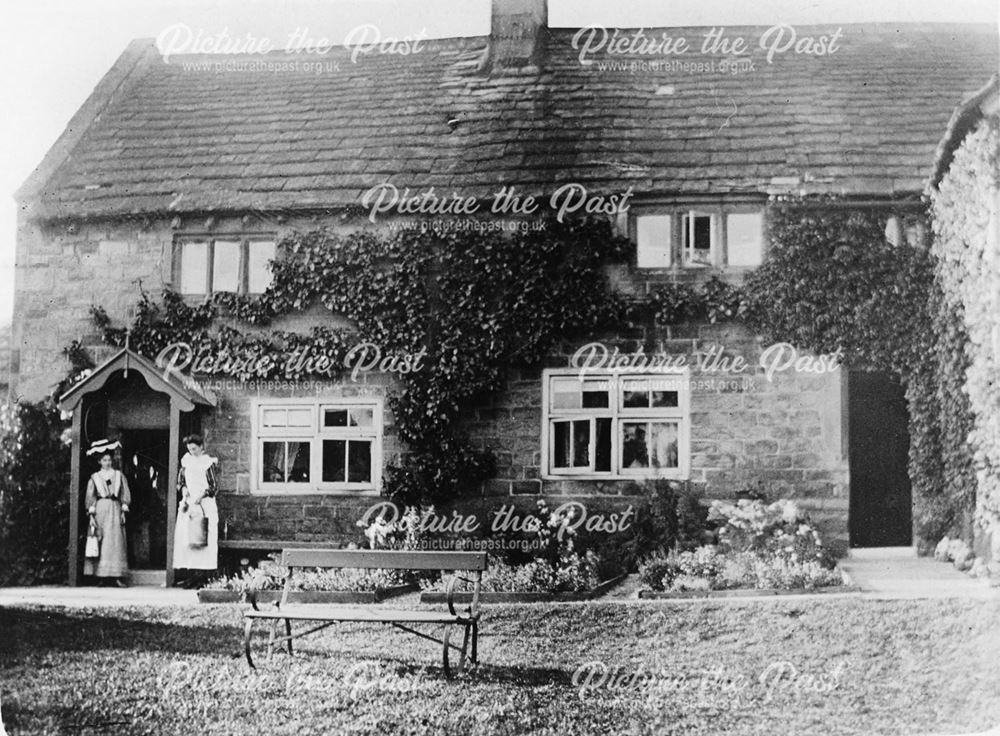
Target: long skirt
(197,558)
(113,562)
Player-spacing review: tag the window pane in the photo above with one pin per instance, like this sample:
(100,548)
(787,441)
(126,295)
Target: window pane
(359,462)
(194,261)
(665,398)
(581,444)
(652,235)
(335,418)
(298,462)
(697,239)
(634,451)
(273,462)
(664,444)
(595,399)
(274,417)
(300,417)
(334,461)
(745,238)
(226,266)
(362,417)
(602,452)
(260,276)
(560,444)
(565,393)
(635,396)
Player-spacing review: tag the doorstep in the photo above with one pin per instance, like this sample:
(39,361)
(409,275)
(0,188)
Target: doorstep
(882,553)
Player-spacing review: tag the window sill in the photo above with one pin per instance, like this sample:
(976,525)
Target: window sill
(637,476)
(313,491)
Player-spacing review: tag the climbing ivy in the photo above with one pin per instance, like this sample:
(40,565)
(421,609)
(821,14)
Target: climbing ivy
(964,209)
(473,303)
(833,281)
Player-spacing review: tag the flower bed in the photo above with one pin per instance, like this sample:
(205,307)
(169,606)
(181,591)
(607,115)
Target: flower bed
(345,585)
(535,581)
(558,572)
(762,549)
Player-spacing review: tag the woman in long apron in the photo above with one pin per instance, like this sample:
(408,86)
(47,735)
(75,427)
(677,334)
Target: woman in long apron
(197,484)
(107,501)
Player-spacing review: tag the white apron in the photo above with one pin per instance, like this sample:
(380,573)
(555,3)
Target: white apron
(196,484)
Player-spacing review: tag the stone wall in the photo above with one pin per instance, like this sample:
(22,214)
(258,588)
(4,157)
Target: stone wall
(783,436)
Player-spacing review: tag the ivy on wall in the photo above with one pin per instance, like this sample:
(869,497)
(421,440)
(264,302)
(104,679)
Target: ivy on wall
(964,211)
(479,303)
(474,303)
(832,280)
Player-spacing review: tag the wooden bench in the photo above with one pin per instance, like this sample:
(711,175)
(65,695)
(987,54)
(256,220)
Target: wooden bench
(325,615)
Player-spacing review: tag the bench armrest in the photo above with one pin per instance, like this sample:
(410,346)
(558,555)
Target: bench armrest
(251,598)
(471,611)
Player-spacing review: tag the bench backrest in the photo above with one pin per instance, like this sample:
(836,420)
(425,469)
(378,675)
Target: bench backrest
(384,559)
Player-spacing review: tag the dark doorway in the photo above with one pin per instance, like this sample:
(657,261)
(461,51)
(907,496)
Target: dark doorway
(881,513)
(145,459)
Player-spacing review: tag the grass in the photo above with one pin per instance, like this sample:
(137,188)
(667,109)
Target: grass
(863,667)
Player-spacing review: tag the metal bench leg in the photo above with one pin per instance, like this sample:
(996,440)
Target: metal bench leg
(288,632)
(246,642)
(475,642)
(270,640)
(462,651)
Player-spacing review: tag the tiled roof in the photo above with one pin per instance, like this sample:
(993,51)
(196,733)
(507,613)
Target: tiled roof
(170,137)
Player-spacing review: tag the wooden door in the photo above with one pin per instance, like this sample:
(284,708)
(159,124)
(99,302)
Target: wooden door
(881,513)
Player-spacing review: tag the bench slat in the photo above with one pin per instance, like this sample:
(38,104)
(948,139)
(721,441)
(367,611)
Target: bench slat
(385,559)
(352,613)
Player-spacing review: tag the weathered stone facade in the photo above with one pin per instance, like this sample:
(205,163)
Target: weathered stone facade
(782,435)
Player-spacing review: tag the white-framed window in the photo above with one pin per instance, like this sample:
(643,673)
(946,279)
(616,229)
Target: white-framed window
(654,241)
(615,425)
(706,236)
(316,445)
(240,264)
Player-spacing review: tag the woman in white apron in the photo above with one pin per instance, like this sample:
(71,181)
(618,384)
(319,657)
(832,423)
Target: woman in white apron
(197,484)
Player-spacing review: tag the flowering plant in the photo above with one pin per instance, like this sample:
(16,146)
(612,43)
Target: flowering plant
(709,568)
(777,529)
(270,575)
(406,532)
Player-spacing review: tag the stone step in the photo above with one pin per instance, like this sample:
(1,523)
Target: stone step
(147,577)
(882,553)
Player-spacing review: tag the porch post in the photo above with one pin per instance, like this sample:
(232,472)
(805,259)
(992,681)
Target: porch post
(175,442)
(74,496)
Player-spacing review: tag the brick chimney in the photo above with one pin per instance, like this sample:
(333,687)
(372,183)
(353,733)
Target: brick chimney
(518,34)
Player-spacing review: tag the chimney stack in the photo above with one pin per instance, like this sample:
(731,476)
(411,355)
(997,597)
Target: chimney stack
(518,34)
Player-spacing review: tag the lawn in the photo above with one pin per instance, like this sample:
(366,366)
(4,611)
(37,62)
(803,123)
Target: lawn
(839,666)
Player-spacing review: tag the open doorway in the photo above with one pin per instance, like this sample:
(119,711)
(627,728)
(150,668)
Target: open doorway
(145,462)
(881,512)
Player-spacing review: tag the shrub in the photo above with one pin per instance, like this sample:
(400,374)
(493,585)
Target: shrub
(668,516)
(658,571)
(34,503)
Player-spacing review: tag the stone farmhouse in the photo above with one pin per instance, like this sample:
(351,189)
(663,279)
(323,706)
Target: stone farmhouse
(187,172)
